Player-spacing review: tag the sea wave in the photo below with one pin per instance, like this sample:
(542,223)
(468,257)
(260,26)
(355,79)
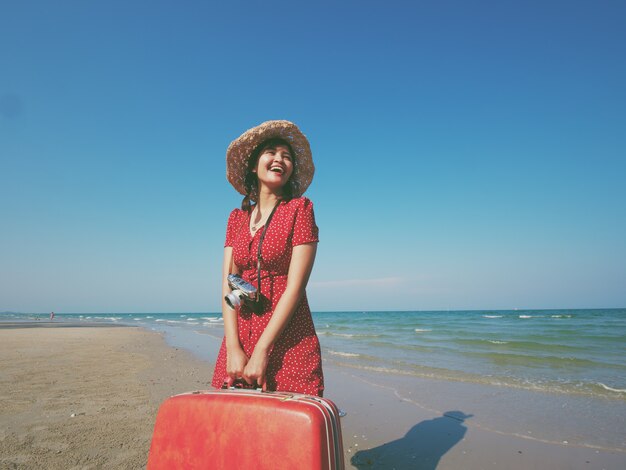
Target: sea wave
(493,316)
(551,386)
(529,347)
(350,335)
(422,330)
(526,361)
(611,389)
(341,353)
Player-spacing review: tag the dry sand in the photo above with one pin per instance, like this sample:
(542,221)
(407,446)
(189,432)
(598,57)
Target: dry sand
(81,398)
(87,397)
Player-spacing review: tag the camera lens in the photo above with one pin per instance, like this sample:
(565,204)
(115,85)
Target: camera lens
(233,300)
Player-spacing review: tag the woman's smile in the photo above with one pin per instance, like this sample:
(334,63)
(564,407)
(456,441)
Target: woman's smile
(275,166)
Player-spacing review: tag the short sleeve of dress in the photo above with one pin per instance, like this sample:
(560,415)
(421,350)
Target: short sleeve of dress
(305,230)
(231,228)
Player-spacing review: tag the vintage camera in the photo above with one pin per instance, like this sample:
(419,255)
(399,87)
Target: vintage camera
(242,291)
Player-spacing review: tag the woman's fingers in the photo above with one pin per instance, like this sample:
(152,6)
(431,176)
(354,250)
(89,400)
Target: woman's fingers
(235,373)
(255,370)
(252,376)
(260,380)
(235,364)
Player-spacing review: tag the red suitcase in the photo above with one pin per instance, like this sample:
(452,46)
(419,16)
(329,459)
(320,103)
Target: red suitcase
(239,428)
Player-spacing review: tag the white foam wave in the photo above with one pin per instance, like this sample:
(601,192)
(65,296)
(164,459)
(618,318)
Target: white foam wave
(343,354)
(561,316)
(525,316)
(422,330)
(213,319)
(493,316)
(160,319)
(349,335)
(149,317)
(611,389)
(137,319)
(495,341)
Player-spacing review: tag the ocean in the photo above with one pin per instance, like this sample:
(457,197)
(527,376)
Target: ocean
(579,352)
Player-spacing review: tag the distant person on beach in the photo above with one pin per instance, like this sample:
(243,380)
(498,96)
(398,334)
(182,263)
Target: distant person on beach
(271,242)
(51,316)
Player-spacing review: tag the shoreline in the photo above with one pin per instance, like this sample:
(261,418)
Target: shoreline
(7,325)
(546,351)
(391,421)
(544,416)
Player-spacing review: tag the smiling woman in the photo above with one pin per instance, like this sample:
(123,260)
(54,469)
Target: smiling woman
(271,163)
(271,242)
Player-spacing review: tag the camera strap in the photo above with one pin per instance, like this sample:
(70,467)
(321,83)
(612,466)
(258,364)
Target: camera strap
(258,253)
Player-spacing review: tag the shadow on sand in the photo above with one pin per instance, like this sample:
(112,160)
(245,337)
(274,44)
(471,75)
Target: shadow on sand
(421,448)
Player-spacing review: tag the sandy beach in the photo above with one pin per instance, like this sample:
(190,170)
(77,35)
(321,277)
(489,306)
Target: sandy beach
(86,397)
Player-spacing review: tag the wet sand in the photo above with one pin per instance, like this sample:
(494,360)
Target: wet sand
(87,397)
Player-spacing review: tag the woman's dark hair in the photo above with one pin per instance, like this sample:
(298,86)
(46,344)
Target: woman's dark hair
(251,181)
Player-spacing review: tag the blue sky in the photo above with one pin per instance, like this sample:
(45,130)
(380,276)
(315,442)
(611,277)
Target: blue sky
(470,155)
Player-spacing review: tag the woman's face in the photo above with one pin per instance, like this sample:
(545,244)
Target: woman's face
(274,166)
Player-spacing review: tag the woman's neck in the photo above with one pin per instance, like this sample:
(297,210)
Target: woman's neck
(267,199)
(261,211)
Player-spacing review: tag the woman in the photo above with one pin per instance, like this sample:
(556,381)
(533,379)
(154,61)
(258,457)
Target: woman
(271,343)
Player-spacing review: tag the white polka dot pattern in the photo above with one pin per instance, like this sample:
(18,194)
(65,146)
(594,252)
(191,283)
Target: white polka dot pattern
(295,363)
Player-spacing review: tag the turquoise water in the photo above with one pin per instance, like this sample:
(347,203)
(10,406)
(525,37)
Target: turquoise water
(566,351)
(561,351)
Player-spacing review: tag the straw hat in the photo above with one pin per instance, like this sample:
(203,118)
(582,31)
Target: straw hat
(240,149)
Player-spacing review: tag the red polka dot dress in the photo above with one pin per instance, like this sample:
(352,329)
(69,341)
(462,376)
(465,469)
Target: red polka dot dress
(295,363)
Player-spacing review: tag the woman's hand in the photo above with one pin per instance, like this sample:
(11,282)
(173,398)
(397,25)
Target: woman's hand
(256,368)
(236,361)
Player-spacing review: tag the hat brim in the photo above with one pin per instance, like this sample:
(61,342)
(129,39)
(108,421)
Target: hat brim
(240,149)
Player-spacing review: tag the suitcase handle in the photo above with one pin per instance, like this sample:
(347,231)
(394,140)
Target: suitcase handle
(240,384)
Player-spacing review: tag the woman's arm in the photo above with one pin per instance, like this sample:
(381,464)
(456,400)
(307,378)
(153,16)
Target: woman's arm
(236,358)
(300,267)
